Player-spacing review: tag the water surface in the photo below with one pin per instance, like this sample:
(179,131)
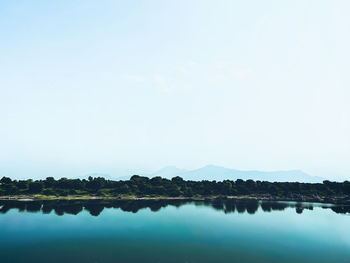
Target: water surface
(175,231)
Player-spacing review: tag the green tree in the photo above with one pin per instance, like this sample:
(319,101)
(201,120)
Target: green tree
(35,187)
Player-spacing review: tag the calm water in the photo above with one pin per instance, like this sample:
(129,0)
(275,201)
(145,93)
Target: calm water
(154,231)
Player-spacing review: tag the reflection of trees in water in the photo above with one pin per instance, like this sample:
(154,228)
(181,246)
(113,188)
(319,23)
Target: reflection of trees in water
(268,206)
(341,209)
(74,208)
(34,206)
(95,207)
(252,206)
(300,207)
(230,206)
(240,206)
(154,205)
(218,204)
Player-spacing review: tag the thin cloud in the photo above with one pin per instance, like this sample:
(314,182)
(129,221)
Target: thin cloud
(181,69)
(223,64)
(242,73)
(135,77)
(192,63)
(161,82)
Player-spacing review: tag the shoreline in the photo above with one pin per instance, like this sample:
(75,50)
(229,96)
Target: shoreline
(340,200)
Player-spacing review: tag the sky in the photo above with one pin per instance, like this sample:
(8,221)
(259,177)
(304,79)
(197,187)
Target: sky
(125,87)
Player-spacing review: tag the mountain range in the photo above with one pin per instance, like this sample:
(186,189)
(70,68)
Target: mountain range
(218,173)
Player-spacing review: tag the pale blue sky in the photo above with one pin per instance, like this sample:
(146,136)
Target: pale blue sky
(129,86)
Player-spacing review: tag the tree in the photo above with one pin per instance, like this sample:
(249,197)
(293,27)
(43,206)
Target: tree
(22,184)
(188,192)
(35,187)
(49,182)
(5,180)
(227,187)
(177,180)
(124,189)
(10,189)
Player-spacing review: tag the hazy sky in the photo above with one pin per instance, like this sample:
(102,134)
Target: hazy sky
(127,86)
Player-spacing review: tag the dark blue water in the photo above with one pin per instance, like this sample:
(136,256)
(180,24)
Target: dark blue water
(151,231)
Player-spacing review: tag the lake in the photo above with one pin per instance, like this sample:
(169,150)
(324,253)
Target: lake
(173,231)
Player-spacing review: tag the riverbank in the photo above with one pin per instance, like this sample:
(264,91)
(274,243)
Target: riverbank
(341,199)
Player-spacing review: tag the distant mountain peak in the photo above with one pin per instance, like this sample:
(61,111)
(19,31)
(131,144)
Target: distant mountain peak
(213,172)
(212,166)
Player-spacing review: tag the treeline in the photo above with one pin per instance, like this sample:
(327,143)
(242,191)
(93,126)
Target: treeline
(143,186)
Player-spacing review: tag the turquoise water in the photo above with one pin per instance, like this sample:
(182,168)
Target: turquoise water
(221,231)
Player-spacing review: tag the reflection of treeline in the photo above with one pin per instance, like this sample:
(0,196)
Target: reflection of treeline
(95,207)
(157,186)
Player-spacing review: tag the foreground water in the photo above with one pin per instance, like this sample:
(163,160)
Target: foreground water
(176,231)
